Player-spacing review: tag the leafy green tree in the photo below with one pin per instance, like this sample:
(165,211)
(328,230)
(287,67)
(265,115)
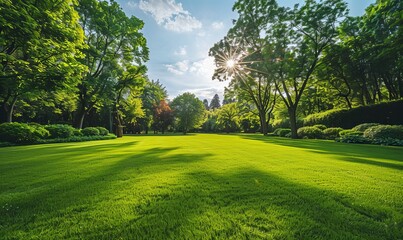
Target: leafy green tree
(114,43)
(228,117)
(154,92)
(215,102)
(292,42)
(188,111)
(40,44)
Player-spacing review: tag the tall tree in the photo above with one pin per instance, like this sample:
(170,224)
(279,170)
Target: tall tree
(188,110)
(215,102)
(152,95)
(40,44)
(114,42)
(292,42)
(163,116)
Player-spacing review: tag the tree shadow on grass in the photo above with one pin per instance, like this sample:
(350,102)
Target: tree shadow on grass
(390,157)
(250,204)
(63,198)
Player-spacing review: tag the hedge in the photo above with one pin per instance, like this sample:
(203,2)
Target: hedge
(389,113)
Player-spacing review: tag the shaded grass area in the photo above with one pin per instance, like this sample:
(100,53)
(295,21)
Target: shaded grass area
(201,186)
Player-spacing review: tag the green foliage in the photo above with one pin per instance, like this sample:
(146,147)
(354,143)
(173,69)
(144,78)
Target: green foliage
(364,126)
(282,132)
(384,132)
(188,111)
(102,131)
(332,133)
(60,130)
(77,139)
(310,132)
(350,132)
(320,126)
(228,117)
(387,141)
(353,139)
(20,133)
(384,113)
(77,132)
(90,131)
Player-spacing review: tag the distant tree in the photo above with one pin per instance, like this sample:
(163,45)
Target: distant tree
(163,116)
(188,110)
(228,117)
(206,105)
(152,95)
(215,102)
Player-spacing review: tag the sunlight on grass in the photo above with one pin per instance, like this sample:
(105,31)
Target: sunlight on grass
(201,186)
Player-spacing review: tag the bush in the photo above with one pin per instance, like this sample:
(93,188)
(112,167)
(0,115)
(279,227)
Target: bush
(350,132)
(364,126)
(353,139)
(77,139)
(20,133)
(40,130)
(384,132)
(310,132)
(60,130)
(90,131)
(283,132)
(285,123)
(102,131)
(77,132)
(384,113)
(320,126)
(388,142)
(332,133)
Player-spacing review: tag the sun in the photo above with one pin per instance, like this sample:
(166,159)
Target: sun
(230,63)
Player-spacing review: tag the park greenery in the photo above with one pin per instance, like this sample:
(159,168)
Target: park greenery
(303,82)
(201,186)
(82,63)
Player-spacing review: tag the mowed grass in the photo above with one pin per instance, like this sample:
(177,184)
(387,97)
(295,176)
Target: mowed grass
(201,187)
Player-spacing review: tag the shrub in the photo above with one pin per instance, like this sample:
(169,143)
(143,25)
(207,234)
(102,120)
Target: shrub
(350,132)
(384,113)
(320,126)
(384,132)
(283,132)
(285,123)
(332,133)
(364,126)
(40,130)
(102,131)
(19,133)
(310,132)
(353,139)
(60,130)
(77,132)
(388,142)
(90,131)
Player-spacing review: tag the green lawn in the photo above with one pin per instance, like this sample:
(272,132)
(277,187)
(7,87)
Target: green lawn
(201,186)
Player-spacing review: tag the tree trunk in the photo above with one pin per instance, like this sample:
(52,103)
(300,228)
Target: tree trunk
(293,121)
(80,119)
(10,110)
(263,124)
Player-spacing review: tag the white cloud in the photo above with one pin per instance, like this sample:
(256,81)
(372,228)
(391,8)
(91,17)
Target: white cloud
(181,52)
(170,14)
(178,68)
(217,25)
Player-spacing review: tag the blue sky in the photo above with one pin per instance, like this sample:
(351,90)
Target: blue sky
(179,34)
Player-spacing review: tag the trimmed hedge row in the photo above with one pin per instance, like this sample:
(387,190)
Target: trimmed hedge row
(22,133)
(389,113)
